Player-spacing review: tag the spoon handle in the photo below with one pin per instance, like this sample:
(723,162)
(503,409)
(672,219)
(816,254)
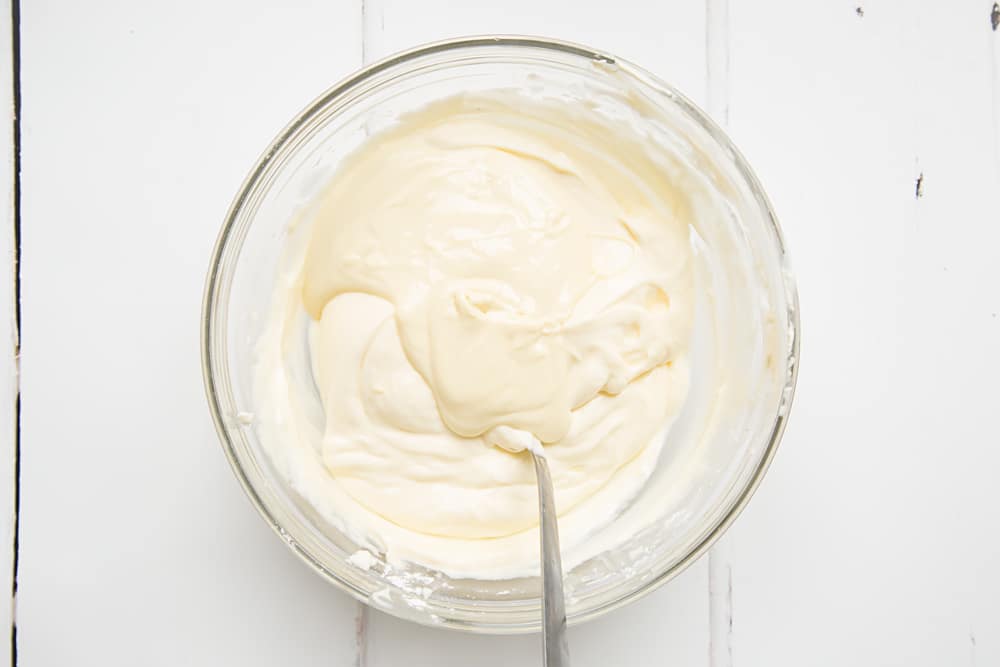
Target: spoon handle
(553,604)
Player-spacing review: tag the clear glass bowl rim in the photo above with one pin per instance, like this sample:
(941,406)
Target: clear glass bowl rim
(213,285)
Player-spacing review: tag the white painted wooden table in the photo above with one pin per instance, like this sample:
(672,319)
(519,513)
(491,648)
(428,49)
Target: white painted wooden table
(876,130)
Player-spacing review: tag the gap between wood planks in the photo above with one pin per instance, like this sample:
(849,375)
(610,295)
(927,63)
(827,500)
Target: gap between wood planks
(720,558)
(15,342)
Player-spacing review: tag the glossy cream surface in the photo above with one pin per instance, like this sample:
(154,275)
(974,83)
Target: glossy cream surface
(491,274)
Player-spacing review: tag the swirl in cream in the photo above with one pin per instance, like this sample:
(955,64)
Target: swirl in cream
(481,278)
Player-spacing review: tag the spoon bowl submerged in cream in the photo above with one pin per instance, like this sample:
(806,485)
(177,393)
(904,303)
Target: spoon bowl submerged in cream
(484,246)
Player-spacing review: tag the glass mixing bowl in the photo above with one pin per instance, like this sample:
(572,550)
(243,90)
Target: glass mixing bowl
(723,467)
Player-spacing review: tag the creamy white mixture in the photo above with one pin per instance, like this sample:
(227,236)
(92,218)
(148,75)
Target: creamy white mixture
(483,278)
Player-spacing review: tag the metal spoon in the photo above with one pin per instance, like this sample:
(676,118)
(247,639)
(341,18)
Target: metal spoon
(553,603)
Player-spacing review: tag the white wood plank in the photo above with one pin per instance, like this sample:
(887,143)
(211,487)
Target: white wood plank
(671,626)
(140,121)
(873,540)
(8,333)
(647,632)
(666,38)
